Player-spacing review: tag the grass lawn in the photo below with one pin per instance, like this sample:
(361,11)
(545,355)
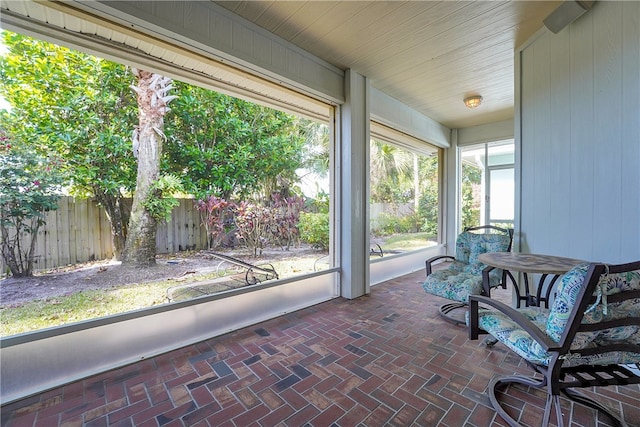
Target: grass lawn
(91,304)
(408,242)
(80,306)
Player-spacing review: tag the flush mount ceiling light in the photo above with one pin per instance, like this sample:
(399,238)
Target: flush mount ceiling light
(473,101)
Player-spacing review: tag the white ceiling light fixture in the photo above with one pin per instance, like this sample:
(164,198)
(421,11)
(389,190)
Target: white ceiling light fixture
(473,101)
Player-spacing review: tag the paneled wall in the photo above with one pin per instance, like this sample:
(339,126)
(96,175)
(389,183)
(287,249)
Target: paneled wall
(578,130)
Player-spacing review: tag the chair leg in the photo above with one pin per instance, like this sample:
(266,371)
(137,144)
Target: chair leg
(445,309)
(580,398)
(551,401)
(490,341)
(515,379)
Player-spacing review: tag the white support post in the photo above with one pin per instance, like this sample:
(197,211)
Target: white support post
(354,194)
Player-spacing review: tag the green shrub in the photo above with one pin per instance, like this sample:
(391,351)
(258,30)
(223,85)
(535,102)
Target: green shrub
(387,224)
(409,223)
(319,204)
(161,200)
(29,187)
(314,229)
(384,225)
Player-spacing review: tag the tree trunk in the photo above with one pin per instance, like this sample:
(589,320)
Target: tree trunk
(19,262)
(140,247)
(416,184)
(8,248)
(118,215)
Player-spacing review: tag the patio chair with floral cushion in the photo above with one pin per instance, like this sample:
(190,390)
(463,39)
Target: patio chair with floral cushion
(590,337)
(463,277)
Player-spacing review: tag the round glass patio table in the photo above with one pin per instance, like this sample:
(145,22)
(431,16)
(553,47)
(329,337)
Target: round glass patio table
(550,268)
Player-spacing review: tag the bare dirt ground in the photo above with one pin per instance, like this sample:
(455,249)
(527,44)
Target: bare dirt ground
(106,274)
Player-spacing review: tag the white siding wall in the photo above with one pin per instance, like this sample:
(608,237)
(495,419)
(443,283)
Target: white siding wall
(393,113)
(489,132)
(579,142)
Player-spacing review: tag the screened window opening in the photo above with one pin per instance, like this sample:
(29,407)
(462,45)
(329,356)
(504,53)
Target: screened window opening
(404,196)
(241,197)
(487,186)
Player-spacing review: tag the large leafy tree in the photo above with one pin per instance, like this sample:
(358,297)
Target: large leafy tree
(471,180)
(391,173)
(229,147)
(428,201)
(80,108)
(316,152)
(397,176)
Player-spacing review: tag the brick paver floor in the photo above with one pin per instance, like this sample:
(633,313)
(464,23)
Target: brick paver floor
(386,359)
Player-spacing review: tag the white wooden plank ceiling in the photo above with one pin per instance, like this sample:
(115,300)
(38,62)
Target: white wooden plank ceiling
(428,54)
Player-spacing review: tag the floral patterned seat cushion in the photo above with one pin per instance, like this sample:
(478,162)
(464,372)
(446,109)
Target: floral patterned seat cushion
(505,330)
(554,321)
(464,276)
(453,285)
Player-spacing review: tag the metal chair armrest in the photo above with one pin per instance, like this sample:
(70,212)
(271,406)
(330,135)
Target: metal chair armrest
(485,280)
(474,300)
(431,260)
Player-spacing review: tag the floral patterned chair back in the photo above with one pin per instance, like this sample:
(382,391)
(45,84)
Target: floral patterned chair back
(463,275)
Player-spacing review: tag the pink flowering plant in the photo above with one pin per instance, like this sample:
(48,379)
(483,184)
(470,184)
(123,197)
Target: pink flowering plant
(217,215)
(29,187)
(253,222)
(284,229)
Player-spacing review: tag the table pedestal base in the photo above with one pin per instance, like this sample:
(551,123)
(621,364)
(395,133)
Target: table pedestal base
(543,291)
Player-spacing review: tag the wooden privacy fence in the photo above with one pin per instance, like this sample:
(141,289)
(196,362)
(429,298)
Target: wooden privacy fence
(79,231)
